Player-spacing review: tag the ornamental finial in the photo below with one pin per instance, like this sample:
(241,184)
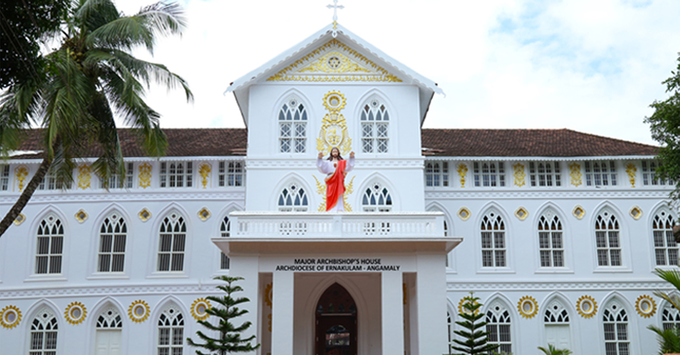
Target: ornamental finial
(335,8)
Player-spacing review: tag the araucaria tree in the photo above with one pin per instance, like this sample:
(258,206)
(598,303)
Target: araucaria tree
(474,335)
(220,323)
(90,78)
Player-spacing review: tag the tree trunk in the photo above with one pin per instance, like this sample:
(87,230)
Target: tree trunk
(25,196)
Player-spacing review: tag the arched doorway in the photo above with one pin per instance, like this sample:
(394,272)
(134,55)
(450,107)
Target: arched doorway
(336,322)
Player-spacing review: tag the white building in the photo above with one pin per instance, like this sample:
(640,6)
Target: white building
(556,231)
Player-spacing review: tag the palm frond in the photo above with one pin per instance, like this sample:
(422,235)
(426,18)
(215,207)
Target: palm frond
(92,14)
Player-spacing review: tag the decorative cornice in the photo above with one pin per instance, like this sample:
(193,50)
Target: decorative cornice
(537,193)
(154,195)
(62,292)
(552,286)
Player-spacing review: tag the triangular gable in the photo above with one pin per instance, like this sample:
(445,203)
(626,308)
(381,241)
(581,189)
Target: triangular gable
(334,62)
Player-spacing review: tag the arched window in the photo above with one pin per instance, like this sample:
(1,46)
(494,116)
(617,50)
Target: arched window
(293,198)
(44,333)
(615,321)
(493,241)
(550,240)
(108,336)
(665,247)
(375,127)
(292,127)
(449,326)
(498,326)
(556,318)
(171,332)
(172,241)
(436,173)
(50,246)
(224,233)
(112,240)
(110,319)
(670,317)
(376,198)
(608,240)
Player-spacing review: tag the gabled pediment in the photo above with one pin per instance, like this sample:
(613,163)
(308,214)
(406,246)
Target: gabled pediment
(333,62)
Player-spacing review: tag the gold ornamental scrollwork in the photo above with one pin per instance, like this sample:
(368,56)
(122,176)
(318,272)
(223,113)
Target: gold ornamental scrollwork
(630,170)
(84,176)
(321,190)
(519,174)
(333,131)
(575,174)
(21,174)
(204,171)
(462,172)
(144,175)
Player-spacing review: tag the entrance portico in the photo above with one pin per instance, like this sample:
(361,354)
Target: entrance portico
(385,272)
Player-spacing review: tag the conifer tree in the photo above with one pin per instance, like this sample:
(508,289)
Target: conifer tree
(473,333)
(229,340)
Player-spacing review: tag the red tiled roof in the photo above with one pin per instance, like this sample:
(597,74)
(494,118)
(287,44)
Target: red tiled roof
(184,142)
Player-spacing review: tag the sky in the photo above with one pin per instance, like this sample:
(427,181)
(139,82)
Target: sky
(593,66)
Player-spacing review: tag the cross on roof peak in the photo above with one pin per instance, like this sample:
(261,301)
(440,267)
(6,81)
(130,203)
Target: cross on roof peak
(335,8)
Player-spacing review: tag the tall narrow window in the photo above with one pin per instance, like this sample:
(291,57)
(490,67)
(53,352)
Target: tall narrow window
(293,198)
(230,173)
(375,127)
(224,233)
(44,334)
(615,321)
(171,332)
(115,182)
(50,246)
(176,174)
(293,127)
(556,318)
(436,173)
(489,174)
(600,173)
(493,241)
(665,247)
(649,174)
(550,240)
(376,198)
(498,326)
(4,177)
(173,233)
(49,182)
(670,317)
(545,173)
(608,240)
(112,239)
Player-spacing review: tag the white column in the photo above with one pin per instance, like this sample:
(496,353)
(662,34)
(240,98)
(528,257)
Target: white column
(282,313)
(247,267)
(392,313)
(431,304)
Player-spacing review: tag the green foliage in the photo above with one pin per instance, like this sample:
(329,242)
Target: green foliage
(671,276)
(474,336)
(551,350)
(669,339)
(665,128)
(220,322)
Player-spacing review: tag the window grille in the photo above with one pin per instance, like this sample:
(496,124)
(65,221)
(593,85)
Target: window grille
(292,127)
(600,173)
(493,241)
(489,174)
(4,177)
(172,241)
(171,332)
(556,313)
(615,322)
(176,174)
(293,198)
(608,240)
(49,182)
(231,173)
(375,128)
(110,319)
(665,247)
(50,246)
(649,174)
(550,241)
(112,240)
(44,330)
(224,232)
(670,317)
(498,326)
(116,183)
(545,174)
(376,198)
(436,173)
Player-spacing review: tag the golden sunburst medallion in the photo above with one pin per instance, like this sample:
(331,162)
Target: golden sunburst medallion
(75,313)
(333,131)
(645,306)
(586,306)
(527,307)
(464,300)
(139,311)
(199,309)
(10,316)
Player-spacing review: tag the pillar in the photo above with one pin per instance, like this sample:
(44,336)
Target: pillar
(282,312)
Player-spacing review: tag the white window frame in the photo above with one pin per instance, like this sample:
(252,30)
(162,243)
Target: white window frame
(617,339)
(176,174)
(49,183)
(49,252)
(4,177)
(293,120)
(44,324)
(375,128)
(110,318)
(608,241)
(231,173)
(114,179)
(550,241)
(293,198)
(649,174)
(436,173)
(600,173)
(670,316)
(113,235)
(224,233)
(376,198)
(499,322)
(172,244)
(170,321)
(545,174)
(663,240)
(493,241)
(556,313)
(488,173)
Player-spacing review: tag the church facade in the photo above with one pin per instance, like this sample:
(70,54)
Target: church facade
(556,231)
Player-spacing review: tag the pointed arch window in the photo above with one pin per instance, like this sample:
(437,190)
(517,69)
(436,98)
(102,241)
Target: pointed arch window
(170,332)
(436,173)
(498,326)
(224,233)
(376,198)
(112,240)
(292,127)
(608,240)
(493,241)
(44,331)
(50,246)
(550,240)
(556,313)
(615,322)
(670,317)
(665,247)
(172,241)
(293,198)
(375,120)
(110,319)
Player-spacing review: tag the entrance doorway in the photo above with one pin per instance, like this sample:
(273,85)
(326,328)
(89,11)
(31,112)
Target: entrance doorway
(336,322)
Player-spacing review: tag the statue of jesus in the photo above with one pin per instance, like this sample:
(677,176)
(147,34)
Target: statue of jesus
(335,169)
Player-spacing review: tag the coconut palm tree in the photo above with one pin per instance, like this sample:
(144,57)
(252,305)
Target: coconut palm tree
(669,339)
(86,83)
(551,350)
